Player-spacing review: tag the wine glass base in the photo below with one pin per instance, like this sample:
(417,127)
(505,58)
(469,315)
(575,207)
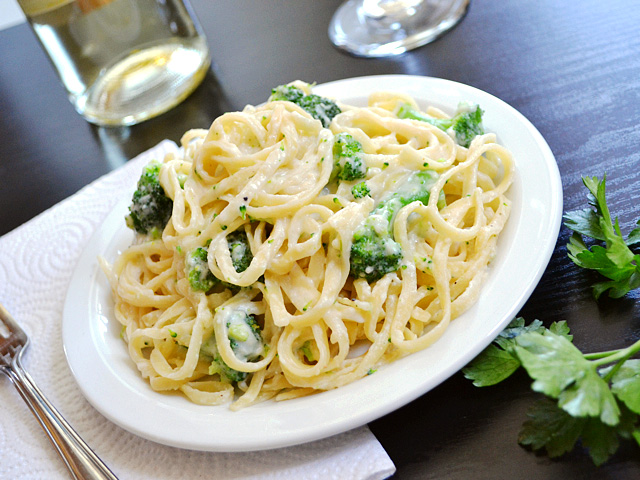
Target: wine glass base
(354,32)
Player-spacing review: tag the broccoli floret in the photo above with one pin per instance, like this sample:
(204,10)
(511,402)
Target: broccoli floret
(347,156)
(360,190)
(306,350)
(374,255)
(245,340)
(240,250)
(219,366)
(209,353)
(467,125)
(407,111)
(244,335)
(374,252)
(464,126)
(200,277)
(150,208)
(287,93)
(318,107)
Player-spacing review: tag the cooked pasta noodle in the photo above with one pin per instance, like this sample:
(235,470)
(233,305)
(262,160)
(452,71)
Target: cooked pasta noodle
(268,173)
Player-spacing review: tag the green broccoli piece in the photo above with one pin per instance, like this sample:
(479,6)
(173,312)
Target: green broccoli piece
(468,125)
(347,155)
(287,93)
(240,250)
(407,111)
(150,207)
(374,255)
(374,252)
(209,350)
(219,366)
(305,349)
(244,335)
(246,342)
(360,190)
(465,125)
(318,107)
(200,277)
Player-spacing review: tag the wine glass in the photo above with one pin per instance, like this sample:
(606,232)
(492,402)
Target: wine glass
(380,28)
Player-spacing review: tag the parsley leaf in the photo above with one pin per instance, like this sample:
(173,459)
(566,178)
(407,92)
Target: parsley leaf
(551,428)
(634,236)
(506,339)
(584,222)
(615,260)
(561,328)
(497,362)
(601,440)
(492,366)
(559,370)
(625,384)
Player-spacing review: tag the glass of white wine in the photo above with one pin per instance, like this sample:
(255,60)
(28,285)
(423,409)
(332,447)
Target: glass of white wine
(380,28)
(121,61)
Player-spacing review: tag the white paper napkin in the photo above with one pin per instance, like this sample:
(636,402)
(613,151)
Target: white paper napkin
(10,14)
(36,263)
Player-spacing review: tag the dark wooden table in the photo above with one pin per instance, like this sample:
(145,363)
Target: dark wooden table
(572,68)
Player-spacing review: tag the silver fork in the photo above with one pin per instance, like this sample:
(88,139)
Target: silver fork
(83,464)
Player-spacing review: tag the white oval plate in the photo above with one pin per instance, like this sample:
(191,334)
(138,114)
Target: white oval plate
(108,378)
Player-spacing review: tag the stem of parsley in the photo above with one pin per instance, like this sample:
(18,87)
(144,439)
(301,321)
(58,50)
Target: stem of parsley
(619,356)
(607,355)
(598,355)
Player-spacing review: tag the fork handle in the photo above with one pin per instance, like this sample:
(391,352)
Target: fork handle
(82,462)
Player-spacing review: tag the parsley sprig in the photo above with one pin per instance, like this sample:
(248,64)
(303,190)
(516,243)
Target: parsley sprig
(615,260)
(593,397)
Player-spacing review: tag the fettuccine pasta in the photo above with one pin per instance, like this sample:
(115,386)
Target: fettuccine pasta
(297,317)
